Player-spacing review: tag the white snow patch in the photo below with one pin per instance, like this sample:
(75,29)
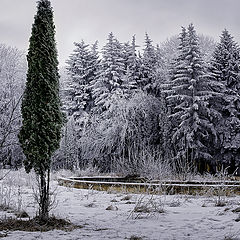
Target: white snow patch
(184,217)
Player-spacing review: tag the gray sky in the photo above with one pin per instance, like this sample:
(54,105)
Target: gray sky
(92,20)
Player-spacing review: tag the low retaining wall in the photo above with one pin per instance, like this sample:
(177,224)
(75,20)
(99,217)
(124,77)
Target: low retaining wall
(163,187)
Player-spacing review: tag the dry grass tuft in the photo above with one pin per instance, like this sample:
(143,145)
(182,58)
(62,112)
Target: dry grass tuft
(35,225)
(133,237)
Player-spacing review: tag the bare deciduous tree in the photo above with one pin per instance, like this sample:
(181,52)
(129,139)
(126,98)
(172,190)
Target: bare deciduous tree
(12,78)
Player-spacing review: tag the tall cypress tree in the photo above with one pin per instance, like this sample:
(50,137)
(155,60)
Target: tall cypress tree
(42,119)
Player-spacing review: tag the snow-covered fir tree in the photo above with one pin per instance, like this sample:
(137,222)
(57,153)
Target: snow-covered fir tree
(132,67)
(108,84)
(82,70)
(148,66)
(161,74)
(189,94)
(202,126)
(225,69)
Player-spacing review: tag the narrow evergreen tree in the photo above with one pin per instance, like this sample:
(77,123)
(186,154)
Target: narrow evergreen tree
(42,119)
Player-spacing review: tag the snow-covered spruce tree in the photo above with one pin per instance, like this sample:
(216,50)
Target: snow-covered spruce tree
(77,68)
(132,67)
(147,66)
(77,100)
(42,119)
(82,71)
(188,96)
(169,49)
(161,74)
(225,68)
(174,60)
(108,84)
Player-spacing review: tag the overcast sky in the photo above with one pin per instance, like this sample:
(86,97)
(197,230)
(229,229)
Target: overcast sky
(92,20)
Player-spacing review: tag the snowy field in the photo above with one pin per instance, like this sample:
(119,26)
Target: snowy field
(128,216)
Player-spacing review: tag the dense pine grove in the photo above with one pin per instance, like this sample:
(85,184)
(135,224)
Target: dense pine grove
(170,108)
(144,111)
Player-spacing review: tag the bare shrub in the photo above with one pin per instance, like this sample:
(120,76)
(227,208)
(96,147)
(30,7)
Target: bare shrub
(145,163)
(232,236)
(147,206)
(126,137)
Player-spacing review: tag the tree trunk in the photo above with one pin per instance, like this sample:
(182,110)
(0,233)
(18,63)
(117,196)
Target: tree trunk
(44,196)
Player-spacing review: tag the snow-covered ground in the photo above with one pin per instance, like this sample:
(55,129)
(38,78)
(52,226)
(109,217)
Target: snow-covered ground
(170,217)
